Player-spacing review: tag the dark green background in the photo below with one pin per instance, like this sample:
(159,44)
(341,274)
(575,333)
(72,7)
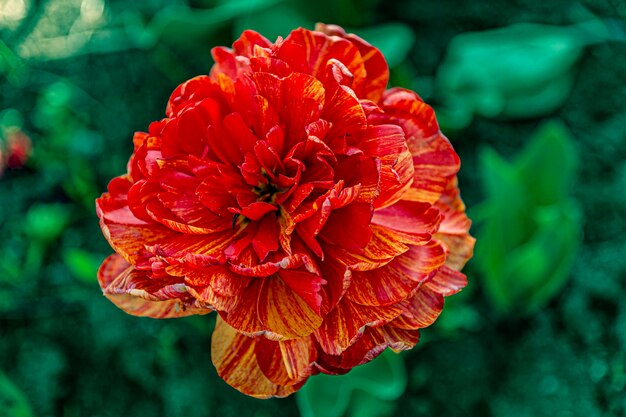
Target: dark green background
(80,86)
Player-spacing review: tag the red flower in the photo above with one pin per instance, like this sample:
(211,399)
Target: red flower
(314,210)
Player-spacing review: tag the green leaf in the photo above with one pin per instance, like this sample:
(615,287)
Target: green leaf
(275,21)
(13,403)
(548,164)
(82,264)
(519,71)
(46,222)
(183,26)
(376,383)
(531,228)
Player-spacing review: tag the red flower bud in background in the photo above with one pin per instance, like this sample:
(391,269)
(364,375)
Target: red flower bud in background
(316,211)
(18,148)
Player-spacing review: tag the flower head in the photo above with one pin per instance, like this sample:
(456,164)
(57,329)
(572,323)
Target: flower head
(316,211)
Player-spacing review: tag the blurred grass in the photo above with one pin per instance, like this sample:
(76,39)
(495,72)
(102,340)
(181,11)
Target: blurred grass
(78,77)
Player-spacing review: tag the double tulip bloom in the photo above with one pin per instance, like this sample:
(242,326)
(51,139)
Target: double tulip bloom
(314,210)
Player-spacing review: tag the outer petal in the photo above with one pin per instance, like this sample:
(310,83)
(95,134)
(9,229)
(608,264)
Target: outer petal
(371,344)
(434,159)
(286,362)
(131,237)
(346,323)
(234,355)
(395,281)
(387,143)
(382,248)
(412,222)
(308,52)
(283,312)
(375,65)
(270,306)
(454,229)
(136,294)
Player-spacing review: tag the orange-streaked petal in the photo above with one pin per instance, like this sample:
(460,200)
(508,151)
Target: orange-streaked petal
(412,222)
(284,313)
(377,72)
(454,229)
(420,311)
(434,159)
(132,291)
(308,52)
(243,315)
(371,344)
(286,362)
(447,281)
(395,281)
(234,357)
(387,143)
(346,322)
(382,248)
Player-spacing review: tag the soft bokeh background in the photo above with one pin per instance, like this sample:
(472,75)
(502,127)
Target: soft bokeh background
(537,113)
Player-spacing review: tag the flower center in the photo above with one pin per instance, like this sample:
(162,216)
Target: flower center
(266,192)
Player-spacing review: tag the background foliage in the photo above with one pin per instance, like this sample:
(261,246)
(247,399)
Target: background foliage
(535,111)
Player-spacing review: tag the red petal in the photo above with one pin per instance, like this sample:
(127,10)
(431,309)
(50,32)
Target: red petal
(434,159)
(287,362)
(243,315)
(337,277)
(306,285)
(139,295)
(417,118)
(371,344)
(387,143)
(249,41)
(447,281)
(348,227)
(266,238)
(375,65)
(298,99)
(420,311)
(362,171)
(395,281)
(381,249)
(128,235)
(235,360)
(459,249)
(454,229)
(283,312)
(256,210)
(345,324)
(308,52)
(239,133)
(415,222)
(215,285)
(189,92)
(380,287)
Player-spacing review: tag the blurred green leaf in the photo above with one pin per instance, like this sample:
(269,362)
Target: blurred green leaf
(11,118)
(185,27)
(366,391)
(531,227)
(274,21)
(82,264)
(548,164)
(518,71)
(46,222)
(13,403)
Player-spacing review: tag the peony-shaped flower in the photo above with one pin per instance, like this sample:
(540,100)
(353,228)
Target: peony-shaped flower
(314,210)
